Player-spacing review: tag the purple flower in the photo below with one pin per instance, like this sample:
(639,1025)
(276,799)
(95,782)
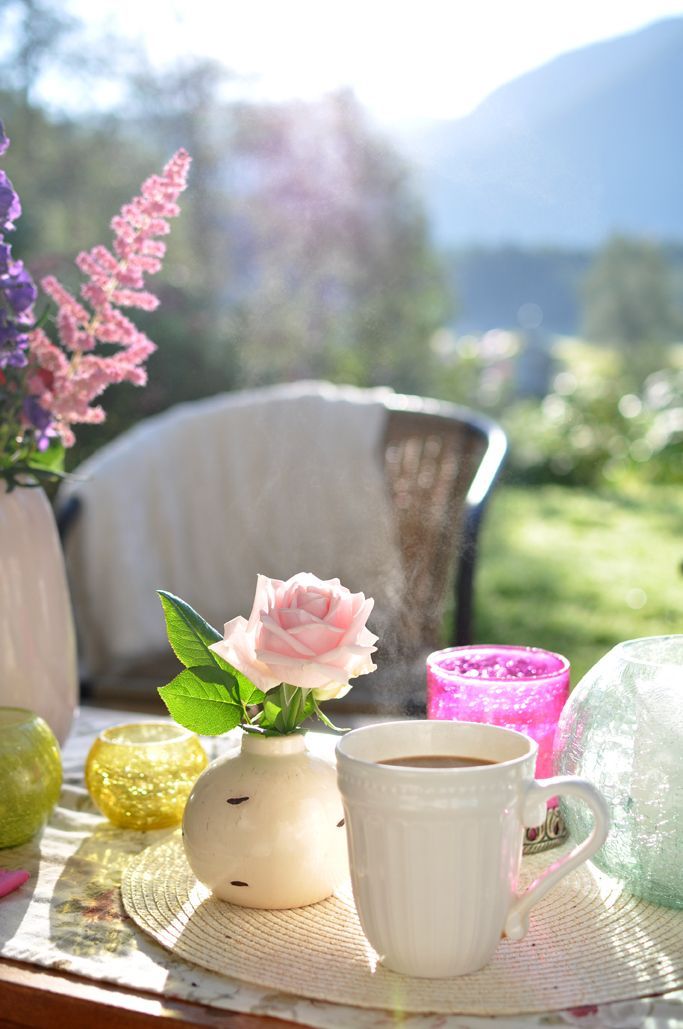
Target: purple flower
(5,258)
(13,342)
(40,419)
(19,288)
(13,356)
(10,205)
(17,294)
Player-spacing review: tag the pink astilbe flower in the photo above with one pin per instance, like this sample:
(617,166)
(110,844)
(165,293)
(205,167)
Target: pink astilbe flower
(65,385)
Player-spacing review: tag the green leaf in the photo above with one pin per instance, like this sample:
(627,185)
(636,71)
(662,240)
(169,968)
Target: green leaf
(188,633)
(199,699)
(44,318)
(309,706)
(272,720)
(294,712)
(51,459)
(285,708)
(249,694)
(25,475)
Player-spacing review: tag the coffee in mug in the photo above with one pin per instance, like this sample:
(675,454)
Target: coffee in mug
(435,851)
(436,761)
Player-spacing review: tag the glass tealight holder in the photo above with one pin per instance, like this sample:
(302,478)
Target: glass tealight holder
(140,774)
(522,688)
(30,774)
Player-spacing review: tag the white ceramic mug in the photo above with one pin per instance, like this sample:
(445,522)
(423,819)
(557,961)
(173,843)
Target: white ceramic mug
(435,852)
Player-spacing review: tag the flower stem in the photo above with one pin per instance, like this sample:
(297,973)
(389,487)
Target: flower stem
(325,720)
(292,698)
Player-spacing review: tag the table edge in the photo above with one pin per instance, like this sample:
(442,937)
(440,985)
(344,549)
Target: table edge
(40,998)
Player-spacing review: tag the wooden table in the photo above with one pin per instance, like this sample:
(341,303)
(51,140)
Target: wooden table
(42,998)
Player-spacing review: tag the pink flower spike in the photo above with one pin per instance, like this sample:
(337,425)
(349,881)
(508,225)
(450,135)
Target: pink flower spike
(153,248)
(135,298)
(64,299)
(12,880)
(46,354)
(66,386)
(123,230)
(95,293)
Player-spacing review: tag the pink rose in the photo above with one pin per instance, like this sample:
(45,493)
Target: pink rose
(306,632)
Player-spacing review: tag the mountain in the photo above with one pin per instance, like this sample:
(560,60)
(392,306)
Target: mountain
(584,147)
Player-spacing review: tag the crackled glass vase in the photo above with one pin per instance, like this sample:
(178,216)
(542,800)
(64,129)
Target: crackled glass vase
(623,730)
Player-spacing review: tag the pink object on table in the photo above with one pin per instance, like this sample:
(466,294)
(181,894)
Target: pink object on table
(11,880)
(521,688)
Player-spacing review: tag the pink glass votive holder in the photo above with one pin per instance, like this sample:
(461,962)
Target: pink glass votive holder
(523,688)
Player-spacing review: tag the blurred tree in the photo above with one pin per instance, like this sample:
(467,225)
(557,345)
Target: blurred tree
(71,180)
(339,277)
(67,168)
(32,32)
(182,106)
(628,301)
(52,60)
(309,246)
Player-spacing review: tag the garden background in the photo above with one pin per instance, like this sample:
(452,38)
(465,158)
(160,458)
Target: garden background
(316,244)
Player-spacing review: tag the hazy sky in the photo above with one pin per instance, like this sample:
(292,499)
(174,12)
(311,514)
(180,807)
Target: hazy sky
(405,60)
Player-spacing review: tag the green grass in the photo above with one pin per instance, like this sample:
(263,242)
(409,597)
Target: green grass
(575,571)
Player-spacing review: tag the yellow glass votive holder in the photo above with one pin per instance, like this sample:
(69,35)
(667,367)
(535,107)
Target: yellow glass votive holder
(140,774)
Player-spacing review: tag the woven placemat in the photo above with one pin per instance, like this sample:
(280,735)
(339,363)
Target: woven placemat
(590,942)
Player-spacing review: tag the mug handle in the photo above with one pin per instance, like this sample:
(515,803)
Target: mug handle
(537,793)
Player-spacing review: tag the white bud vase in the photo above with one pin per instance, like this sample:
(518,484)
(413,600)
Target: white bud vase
(264,828)
(38,669)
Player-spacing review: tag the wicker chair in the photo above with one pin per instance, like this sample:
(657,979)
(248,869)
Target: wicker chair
(440,463)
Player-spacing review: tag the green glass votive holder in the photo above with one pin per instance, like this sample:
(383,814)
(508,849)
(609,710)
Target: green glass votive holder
(30,774)
(140,774)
